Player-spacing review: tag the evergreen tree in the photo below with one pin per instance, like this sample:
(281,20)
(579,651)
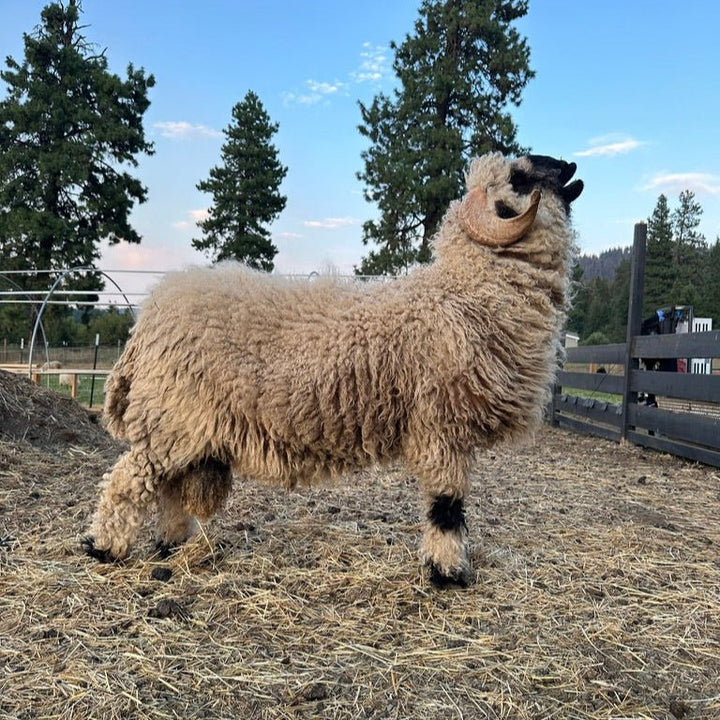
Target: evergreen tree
(599,310)
(689,250)
(245,190)
(660,270)
(580,298)
(67,127)
(112,325)
(709,305)
(457,74)
(685,221)
(595,338)
(604,264)
(620,292)
(679,270)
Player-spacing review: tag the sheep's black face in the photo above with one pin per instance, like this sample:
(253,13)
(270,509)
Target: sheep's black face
(546,172)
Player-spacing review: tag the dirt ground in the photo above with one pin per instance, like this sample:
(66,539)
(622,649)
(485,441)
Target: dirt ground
(597,591)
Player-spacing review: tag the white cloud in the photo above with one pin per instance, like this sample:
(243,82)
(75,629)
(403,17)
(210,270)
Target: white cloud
(331,223)
(185,131)
(136,267)
(374,64)
(697,182)
(199,215)
(196,216)
(316,91)
(609,146)
(373,68)
(324,88)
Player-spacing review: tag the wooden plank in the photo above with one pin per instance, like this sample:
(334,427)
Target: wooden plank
(677,385)
(594,382)
(634,318)
(16,369)
(684,345)
(685,450)
(71,371)
(696,429)
(593,410)
(587,428)
(600,354)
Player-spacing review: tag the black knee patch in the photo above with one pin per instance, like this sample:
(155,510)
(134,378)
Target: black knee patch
(447,513)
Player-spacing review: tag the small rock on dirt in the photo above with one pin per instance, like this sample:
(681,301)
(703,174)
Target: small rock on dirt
(168,609)
(162,574)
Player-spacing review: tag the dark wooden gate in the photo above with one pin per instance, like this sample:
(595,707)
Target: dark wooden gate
(686,421)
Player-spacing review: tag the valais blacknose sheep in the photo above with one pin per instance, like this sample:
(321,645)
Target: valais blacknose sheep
(234,373)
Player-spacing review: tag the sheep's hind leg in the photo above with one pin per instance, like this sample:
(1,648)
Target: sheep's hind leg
(174,524)
(127,491)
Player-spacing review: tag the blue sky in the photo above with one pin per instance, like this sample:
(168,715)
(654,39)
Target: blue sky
(625,89)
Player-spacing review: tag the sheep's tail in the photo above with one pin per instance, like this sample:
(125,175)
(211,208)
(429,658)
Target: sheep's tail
(117,389)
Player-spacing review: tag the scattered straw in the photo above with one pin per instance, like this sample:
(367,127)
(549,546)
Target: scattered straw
(597,596)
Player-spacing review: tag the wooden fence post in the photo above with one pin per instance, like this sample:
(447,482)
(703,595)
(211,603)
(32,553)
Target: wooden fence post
(634,320)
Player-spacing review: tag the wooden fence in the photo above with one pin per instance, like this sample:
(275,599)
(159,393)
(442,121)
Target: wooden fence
(686,421)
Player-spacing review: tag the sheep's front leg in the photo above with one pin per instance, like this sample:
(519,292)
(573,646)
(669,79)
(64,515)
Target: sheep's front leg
(127,491)
(444,544)
(444,479)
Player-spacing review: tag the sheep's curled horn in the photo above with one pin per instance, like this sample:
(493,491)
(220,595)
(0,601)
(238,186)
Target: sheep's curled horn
(480,221)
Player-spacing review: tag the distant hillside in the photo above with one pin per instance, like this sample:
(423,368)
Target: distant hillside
(604,264)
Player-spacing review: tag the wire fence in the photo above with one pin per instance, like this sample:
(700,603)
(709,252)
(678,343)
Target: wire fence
(23,351)
(67,356)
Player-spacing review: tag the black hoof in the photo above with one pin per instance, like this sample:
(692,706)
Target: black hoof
(459,578)
(164,550)
(88,546)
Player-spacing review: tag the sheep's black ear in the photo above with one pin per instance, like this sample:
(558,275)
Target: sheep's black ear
(572,191)
(566,172)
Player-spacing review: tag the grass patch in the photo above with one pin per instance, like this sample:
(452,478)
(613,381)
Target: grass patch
(84,389)
(604,397)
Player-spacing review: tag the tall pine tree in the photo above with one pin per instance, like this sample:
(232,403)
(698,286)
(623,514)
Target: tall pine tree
(689,250)
(580,295)
(660,270)
(245,190)
(680,269)
(67,128)
(457,74)
(710,303)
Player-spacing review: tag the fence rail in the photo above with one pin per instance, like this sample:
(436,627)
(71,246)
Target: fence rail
(685,420)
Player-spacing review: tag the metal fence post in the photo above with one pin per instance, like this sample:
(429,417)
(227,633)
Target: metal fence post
(634,320)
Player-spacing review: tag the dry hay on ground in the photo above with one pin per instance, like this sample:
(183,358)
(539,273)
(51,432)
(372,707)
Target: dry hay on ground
(597,594)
